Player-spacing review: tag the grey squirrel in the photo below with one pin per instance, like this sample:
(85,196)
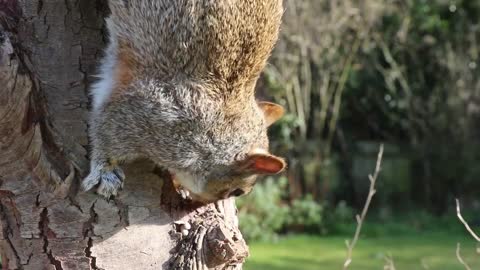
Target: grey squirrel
(177,86)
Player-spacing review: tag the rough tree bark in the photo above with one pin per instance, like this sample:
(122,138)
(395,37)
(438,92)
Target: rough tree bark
(48,54)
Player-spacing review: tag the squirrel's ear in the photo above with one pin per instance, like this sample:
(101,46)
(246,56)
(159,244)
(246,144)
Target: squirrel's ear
(271,111)
(262,163)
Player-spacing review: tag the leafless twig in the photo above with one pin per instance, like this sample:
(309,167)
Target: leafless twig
(460,217)
(474,235)
(389,264)
(460,259)
(425,265)
(361,218)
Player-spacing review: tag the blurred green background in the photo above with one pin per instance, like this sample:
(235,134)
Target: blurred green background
(352,75)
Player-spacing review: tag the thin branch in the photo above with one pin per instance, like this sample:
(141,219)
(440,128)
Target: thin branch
(361,218)
(460,259)
(474,235)
(390,265)
(425,265)
(338,92)
(460,217)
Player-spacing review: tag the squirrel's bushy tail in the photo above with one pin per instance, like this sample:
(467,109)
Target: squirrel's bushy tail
(152,29)
(228,38)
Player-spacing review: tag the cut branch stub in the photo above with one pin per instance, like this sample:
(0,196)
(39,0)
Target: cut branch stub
(225,245)
(214,242)
(207,236)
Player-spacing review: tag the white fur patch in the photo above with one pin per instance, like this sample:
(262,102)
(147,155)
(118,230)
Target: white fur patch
(102,89)
(189,182)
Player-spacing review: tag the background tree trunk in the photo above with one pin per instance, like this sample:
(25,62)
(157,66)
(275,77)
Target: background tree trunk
(48,54)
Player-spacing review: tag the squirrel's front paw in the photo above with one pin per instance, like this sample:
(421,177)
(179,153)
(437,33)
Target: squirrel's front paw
(108,178)
(185,194)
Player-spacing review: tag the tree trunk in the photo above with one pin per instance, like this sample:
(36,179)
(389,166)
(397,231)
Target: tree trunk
(48,54)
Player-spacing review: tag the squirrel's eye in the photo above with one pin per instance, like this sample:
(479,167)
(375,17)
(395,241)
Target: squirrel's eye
(237,192)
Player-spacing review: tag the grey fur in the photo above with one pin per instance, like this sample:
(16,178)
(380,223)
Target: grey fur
(189,105)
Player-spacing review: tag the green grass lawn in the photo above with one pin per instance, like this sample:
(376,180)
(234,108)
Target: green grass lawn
(434,251)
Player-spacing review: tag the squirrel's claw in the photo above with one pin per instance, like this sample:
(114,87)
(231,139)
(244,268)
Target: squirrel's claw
(109,181)
(185,194)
